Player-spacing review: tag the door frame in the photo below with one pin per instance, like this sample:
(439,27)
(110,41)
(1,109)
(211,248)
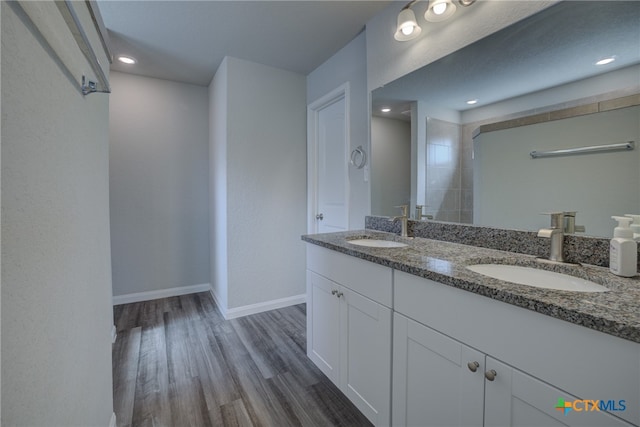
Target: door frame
(313,112)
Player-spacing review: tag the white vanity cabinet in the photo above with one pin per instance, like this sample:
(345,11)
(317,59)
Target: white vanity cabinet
(349,327)
(432,385)
(441,333)
(438,381)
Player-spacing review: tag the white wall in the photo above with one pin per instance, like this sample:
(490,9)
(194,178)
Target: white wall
(56,270)
(218,237)
(159,172)
(391,165)
(264,141)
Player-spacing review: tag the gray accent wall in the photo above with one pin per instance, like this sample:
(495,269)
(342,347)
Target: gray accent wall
(56,262)
(159,172)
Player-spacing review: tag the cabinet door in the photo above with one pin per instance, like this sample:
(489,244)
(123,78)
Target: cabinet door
(365,361)
(516,399)
(323,324)
(432,382)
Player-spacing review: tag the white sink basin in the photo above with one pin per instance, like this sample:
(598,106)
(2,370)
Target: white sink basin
(537,278)
(376,243)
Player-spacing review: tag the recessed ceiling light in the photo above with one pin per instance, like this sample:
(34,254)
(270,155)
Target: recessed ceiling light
(472,101)
(385,109)
(605,61)
(126,59)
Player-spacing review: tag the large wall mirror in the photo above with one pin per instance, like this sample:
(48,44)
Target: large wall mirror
(458,133)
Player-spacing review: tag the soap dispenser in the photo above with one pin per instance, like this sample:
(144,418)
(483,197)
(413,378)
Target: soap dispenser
(635,226)
(623,250)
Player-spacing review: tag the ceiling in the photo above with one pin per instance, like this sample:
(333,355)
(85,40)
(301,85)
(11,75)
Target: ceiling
(556,46)
(187,40)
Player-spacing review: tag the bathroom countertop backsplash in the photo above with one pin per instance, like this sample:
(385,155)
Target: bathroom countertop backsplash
(578,249)
(616,312)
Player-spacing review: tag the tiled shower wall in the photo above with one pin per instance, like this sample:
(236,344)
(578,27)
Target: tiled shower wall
(449,189)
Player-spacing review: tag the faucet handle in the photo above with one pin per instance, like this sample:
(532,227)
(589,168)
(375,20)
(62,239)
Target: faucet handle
(557,219)
(405,209)
(570,226)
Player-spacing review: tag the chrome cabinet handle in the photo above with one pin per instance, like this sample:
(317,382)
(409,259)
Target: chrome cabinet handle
(491,375)
(473,366)
(340,294)
(320,216)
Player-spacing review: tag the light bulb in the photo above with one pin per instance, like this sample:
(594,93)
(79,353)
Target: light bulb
(407,29)
(440,8)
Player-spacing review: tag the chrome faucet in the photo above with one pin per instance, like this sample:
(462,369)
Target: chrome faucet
(404,219)
(570,226)
(556,233)
(420,215)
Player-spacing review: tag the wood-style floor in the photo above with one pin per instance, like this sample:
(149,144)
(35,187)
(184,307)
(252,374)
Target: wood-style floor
(178,362)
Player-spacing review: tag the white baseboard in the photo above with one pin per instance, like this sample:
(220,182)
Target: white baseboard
(160,293)
(246,310)
(112,423)
(114,334)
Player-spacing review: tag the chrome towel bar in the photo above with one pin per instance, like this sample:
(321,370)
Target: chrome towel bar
(621,146)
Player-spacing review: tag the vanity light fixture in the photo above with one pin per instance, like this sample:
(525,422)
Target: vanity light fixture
(437,10)
(127,59)
(605,61)
(408,28)
(385,109)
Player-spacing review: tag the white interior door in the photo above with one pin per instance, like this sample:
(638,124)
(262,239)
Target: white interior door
(328,167)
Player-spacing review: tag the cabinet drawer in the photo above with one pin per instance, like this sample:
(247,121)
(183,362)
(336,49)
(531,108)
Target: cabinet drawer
(371,280)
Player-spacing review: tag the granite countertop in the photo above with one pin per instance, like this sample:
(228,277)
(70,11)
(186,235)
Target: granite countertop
(616,312)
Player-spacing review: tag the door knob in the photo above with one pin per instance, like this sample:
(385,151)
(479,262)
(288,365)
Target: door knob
(320,216)
(491,375)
